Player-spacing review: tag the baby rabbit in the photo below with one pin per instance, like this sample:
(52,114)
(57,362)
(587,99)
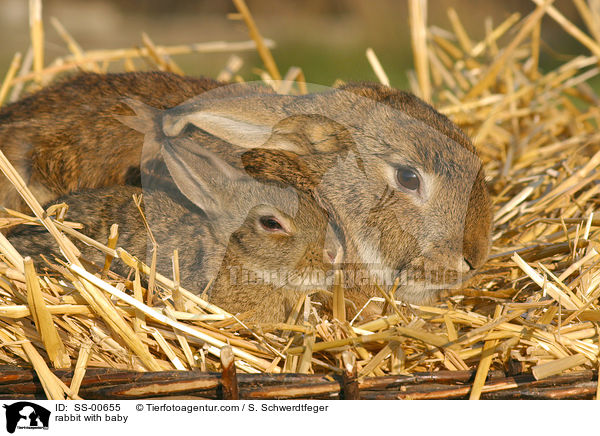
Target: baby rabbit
(65,137)
(404,187)
(262,243)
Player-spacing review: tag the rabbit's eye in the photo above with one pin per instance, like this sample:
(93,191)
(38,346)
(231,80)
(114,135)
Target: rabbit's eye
(408,178)
(270,223)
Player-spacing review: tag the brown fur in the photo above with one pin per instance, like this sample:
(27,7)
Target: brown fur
(368,128)
(479,212)
(66,137)
(438,238)
(255,271)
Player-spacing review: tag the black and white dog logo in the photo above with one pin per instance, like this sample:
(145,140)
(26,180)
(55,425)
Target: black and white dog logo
(26,415)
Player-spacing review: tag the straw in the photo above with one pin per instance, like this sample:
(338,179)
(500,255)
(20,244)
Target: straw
(73,46)
(37,37)
(536,134)
(377,68)
(263,50)
(10,74)
(80,367)
(557,366)
(43,319)
(500,62)
(419,40)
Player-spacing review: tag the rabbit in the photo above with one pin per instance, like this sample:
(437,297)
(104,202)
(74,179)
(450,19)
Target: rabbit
(402,183)
(386,227)
(264,244)
(65,137)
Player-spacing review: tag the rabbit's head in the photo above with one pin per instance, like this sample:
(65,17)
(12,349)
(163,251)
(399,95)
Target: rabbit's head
(273,259)
(404,186)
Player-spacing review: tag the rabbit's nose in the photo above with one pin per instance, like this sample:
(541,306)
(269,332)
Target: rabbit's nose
(458,265)
(464,266)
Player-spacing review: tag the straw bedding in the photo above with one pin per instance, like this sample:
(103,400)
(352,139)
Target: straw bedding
(533,309)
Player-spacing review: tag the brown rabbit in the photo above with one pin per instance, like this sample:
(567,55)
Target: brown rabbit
(264,244)
(405,187)
(65,137)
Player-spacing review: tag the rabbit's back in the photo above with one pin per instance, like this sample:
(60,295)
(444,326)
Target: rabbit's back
(66,137)
(259,272)
(173,224)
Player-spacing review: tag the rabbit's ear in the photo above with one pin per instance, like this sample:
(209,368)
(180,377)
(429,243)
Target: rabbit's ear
(202,177)
(275,122)
(245,132)
(245,121)
(283,167)
(145,118)
(310,134)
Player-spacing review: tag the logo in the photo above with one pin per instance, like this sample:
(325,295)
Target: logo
(26,415)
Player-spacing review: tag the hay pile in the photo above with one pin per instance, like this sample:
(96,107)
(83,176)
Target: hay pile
(533,308)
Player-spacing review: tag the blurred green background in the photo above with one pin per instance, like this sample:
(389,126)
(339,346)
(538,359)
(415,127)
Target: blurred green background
(327,38)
